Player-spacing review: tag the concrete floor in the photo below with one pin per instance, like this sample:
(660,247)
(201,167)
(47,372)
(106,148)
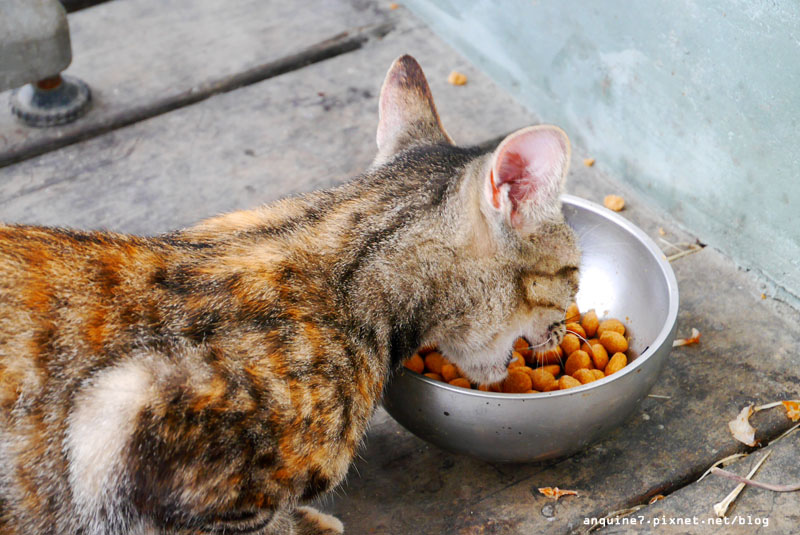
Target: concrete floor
(214,108)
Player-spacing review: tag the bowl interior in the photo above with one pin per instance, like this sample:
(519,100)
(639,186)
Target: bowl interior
(621,275)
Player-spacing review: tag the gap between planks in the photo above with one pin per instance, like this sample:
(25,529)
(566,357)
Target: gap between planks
(337,45)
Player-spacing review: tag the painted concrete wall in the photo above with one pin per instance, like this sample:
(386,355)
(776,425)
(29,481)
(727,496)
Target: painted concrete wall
(694,102)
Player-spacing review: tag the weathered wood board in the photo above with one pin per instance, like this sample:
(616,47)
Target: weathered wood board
(144,57)
(304,130)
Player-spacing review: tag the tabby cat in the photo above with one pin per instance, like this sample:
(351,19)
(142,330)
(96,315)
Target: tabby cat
(213,379)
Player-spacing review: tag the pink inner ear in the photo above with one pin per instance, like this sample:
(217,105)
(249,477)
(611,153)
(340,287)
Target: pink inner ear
(531,163)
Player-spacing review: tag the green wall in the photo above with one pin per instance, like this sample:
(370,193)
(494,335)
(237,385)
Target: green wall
(695,103)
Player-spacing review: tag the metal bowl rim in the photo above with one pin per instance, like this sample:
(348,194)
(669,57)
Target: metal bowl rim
(661,338)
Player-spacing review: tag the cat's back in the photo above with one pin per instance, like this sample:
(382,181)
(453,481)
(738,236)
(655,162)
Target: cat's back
(65,297)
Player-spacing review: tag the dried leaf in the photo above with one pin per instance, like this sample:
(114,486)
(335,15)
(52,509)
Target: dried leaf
(722,507)
(694,339)
(555,492)
(792,410)
(741,429)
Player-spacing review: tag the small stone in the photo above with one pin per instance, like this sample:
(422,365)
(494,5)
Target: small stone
(549,510)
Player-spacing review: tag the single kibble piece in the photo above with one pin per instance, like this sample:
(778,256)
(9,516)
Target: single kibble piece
(547,357)
(434,376)
(599,356)
(552,387)
(576,328)
(460,381)
(526,369)
(611,325)
(577,360)
(415,363)
(533,392)
(617,362)
(457,78)
(567,382)
(584,376)
(434,362)
(555,369)
(573,314)
(496,387)
(614,202)
(613,342)
(516,360)
(522,347)
(598,374)
(484,388)
(588,162)
(542,379)
(570,344)
(587,346)
(517,382)
(449,372)
(590,323)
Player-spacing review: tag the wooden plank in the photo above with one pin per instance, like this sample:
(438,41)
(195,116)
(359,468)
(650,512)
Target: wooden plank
(145,57)
(300,131)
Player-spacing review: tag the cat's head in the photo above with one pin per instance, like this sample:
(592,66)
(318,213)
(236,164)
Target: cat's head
(493,251)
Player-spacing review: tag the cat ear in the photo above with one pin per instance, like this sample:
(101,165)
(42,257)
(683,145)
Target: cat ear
(527,175)
(406,110)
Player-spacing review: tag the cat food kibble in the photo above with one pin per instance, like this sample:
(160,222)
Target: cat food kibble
(599,356)
(570,344)
(434,362)
(516,360)
(613,342)
(579,359)
(517,382)
(540,358)
(567,381)
(573,313)
(576,329)
(589,323)
(617,362)
(610,325)
(614,202)
(584,375)
(415,363)
(460,381)
(449,372)
(575,362)
(542,379)
(457,78)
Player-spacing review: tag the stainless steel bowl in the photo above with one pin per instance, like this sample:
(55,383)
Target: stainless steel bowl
(623,275)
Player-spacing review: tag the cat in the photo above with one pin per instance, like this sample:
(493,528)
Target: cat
(214,379)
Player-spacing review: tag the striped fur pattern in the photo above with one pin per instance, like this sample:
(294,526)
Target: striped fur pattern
(213,379)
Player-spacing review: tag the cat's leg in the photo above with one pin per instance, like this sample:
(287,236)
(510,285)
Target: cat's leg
(309,521)
(304,520)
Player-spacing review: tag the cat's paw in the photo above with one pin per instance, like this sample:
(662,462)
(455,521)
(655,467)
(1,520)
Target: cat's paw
(309,521)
